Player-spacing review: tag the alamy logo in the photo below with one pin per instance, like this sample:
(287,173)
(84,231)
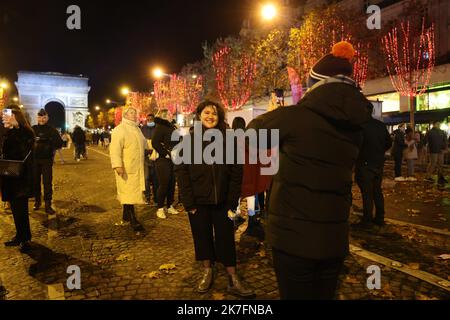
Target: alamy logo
(74,20)
(374,280)
(374,21)
(74,281)
(190,150)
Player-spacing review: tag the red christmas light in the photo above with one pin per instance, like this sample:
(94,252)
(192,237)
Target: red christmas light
(193,94)
(234,77)
(361,64)
(410,58)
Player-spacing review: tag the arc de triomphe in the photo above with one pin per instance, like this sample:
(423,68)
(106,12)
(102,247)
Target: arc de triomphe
(65,97)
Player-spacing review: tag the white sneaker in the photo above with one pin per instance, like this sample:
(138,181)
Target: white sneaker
(172,210)
(160,213)
(400,179)
(411,179)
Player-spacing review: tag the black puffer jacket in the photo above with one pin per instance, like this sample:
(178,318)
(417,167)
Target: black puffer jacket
(16,146)
(204,184)
(161,137)
(78,136)
(311,193)
(48,140)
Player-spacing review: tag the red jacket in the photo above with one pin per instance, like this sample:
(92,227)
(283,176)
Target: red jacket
(253,182)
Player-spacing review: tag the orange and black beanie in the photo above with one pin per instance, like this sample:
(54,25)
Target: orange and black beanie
(338,62)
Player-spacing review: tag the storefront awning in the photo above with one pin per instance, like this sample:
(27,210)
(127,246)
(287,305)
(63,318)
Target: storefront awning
(419,117)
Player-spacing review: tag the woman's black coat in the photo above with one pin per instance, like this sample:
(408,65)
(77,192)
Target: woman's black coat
(209,184)
(16,146)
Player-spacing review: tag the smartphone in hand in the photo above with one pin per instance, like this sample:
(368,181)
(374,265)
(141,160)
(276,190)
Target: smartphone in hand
(7,114)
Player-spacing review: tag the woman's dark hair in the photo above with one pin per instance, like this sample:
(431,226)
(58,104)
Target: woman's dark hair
(221,125)
(20,117)
(238,123)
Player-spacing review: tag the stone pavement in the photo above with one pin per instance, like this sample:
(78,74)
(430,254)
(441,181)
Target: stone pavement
(117,263)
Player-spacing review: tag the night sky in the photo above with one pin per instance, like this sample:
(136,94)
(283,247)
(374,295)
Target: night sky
(118,43)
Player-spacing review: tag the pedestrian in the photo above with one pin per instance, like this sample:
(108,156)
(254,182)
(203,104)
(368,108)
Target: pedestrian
(208,192)
(59,151)
(151,181)
(48,141)
(69,140)
(127,152)
(79,140)
(106,139)
(411,153)
(254,186)
(398,149)
(436,140)
(369,170)
(310,197)
(18,145)
(162,143)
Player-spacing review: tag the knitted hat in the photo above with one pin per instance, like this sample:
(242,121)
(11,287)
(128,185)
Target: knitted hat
(42,113)
(335,63)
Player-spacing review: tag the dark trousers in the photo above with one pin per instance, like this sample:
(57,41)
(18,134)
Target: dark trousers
(19,208)
(306,279)
(398,160)
(166,182)
(151,181)
(369,182)
(43,171)
(80,150)
(213,234)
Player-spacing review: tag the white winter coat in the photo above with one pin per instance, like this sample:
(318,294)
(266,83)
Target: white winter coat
(127,150)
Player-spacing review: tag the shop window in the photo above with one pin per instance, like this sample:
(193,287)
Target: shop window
(391,101)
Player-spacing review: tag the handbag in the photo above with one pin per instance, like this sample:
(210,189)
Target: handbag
(12,168)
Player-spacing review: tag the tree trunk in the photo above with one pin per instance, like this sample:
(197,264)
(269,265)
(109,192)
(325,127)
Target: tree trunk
(412,110)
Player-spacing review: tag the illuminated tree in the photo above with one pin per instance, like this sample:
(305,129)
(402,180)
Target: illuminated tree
(193,94)
(270,53)
(141,101)
(235,72)
(410,58)
(361,63)
(321,29)
(162,93)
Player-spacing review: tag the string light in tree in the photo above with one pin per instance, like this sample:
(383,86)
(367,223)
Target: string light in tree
(193,94)
(410,58)
(162,94)
(361,64)
(235,75)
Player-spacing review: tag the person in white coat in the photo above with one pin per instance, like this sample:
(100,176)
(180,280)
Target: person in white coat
(127,150)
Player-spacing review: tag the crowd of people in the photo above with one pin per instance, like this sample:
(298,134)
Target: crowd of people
(325,140)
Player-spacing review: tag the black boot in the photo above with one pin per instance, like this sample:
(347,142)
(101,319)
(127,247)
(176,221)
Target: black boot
(134,222)
(37,204)
(48,208)
(14,242)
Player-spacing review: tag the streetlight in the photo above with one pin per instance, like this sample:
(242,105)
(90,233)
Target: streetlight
(108,101)
(97,108)
(269,11)
(4,85)
(124,91)
(158,73)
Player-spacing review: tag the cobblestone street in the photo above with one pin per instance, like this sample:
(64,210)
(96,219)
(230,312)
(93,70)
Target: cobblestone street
(117,263)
